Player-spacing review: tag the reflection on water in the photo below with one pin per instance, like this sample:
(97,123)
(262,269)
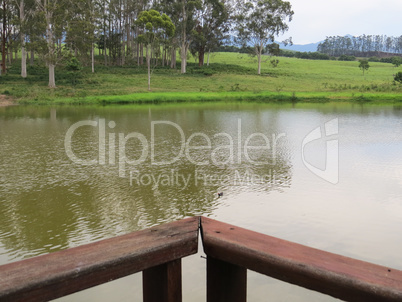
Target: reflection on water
(51,203)
(250,152)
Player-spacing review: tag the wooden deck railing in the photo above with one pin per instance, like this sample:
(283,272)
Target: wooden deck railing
(230,252)
(156,251)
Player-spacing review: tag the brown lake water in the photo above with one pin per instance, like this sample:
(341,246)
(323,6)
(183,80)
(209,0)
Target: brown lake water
(325,175)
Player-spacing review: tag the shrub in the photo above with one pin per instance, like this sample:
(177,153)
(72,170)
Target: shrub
(390,59)
(398,77)
(396,61)
(73,67)
(208,73)
(346,58)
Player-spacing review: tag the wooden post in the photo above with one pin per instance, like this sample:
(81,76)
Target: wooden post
(162,283)
(225,281)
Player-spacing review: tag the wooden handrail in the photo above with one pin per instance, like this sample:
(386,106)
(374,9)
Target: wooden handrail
(341,277)
(230,250)
(61,273)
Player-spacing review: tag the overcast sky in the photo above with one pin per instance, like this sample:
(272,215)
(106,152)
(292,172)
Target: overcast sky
(313,20)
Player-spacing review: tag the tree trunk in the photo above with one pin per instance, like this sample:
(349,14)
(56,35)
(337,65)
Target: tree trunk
(201,53)
(23,52)
(141,54)
(93,57)
(183,52)
(259,53)
(173,59)
(209,51)
(23,61)
(167,56)
(104,43)
(123,52)
(183,57)
(137,50)
(4,39)
(32,58)
(163,56)
(52,82)
(149,66)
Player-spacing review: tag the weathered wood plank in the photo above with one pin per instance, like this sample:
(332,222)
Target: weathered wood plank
(225,281)
(61,273)
(341,277)
(162,283)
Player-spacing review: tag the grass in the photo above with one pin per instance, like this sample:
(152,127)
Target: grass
(230,76)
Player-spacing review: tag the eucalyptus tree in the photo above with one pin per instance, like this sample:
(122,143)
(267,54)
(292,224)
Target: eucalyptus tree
(52,14)
(361,44)
(211,29)
(155,27)
(25,10)
(80,32)
(6,14)
(116,36)
(259,21)
(388,44)
(183,13)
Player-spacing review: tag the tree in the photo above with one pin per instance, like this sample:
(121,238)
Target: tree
(398,77)
(396,61)
(80,33)
(212,27)
(155,27)
(25,8)
(5,14)
(259,21)
(364,65)
(52,13)
(183,14)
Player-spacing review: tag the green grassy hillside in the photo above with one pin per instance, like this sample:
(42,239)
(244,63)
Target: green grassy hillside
(229,76)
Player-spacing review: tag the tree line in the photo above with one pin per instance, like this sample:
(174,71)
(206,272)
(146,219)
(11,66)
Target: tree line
(360,45)
(121,34)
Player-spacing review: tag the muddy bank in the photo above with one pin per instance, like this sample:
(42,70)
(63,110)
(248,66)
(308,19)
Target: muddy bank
(5,101)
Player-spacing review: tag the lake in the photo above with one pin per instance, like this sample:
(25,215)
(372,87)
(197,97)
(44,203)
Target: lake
(325,175)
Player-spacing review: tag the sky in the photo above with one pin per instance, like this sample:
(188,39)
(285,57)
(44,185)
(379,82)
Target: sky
(313,20)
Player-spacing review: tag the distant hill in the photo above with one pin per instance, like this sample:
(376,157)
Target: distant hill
(312,47)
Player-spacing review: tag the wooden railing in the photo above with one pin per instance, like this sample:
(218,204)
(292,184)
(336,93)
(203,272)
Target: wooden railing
(156,251)
(230,252)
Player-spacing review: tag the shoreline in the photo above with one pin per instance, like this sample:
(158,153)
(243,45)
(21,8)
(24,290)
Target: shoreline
(247,96)
(6,102)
